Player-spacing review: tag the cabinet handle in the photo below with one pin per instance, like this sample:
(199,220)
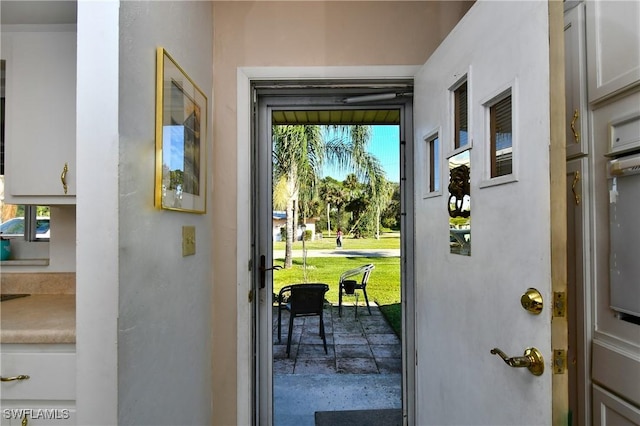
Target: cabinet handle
(63,177)
(14,378)
(576,179)
(576,135)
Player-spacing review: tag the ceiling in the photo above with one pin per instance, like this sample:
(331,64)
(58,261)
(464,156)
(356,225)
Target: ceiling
(31,12)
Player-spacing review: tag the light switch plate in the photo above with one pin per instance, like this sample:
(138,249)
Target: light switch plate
(188,240)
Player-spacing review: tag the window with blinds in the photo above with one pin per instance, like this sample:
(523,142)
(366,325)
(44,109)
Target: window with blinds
(461,116)
(500,128)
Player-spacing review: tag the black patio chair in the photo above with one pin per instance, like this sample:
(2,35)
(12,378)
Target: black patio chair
(350,286)
(302,300)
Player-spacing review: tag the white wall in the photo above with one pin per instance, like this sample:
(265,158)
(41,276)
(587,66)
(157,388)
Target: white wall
(164,337)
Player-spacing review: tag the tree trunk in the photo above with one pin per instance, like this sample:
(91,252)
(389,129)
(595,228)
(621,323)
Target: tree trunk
(291,214)
(288,253)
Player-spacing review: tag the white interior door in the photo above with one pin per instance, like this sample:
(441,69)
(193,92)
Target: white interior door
(466,305)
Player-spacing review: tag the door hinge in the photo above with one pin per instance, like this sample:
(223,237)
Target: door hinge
(250,264)
(251,296)
(559,361)
(559,304)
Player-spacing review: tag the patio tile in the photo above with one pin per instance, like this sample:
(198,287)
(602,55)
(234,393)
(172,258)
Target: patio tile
(350,325)
(376,328)
(356,366)
(284,366)
(389,365)
(349,339)
(362,345)
(353,351)
(386,351)
(315,366)
(295,337)
(383,339)
(315,351)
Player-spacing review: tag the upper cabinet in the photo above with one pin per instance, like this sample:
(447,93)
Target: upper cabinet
(40,109)
(613,42)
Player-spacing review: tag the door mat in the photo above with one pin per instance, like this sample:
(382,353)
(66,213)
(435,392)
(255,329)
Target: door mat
(385,417)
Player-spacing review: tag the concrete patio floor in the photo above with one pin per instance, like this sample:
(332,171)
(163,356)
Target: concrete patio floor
(362,369)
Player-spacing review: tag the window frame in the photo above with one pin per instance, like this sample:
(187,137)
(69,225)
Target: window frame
(432,164)
(502,92)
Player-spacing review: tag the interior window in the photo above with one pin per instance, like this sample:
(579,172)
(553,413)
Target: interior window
(30,223)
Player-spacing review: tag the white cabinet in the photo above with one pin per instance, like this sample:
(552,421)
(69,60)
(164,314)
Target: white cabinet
(613,47)
(40,115)
(48,396)
(609,410)
(575,81)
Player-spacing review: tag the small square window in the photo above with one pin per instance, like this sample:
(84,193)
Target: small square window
(433,163)
(501,134)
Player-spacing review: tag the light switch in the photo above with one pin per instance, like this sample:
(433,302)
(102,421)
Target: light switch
(188,240)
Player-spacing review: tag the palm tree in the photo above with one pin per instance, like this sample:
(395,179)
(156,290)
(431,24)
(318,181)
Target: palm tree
(299,154)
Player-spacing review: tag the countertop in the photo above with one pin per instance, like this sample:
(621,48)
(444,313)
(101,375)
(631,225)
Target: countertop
(39,318)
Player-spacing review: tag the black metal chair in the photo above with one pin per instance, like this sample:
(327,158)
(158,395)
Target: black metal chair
(302,300)
(350,286)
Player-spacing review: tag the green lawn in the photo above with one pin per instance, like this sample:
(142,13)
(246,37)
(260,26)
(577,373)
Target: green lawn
(383,287)
(388,240)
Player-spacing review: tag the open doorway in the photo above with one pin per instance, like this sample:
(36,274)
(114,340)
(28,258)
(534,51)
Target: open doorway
(363,366)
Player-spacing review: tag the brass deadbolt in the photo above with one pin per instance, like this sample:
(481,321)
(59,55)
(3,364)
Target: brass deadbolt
(531,301)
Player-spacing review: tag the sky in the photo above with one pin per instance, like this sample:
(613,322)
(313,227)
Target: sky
(385,145)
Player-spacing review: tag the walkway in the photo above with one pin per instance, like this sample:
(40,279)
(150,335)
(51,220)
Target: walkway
(344,252)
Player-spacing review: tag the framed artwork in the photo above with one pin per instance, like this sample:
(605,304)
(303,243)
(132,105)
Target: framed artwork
(181,138)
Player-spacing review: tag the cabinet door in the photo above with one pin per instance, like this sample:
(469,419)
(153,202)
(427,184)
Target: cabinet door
(609,410)
(613,43)
(48,396)
(40,116)
(575,81)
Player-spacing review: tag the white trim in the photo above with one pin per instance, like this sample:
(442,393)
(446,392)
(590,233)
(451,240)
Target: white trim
(97,248)
(244,77)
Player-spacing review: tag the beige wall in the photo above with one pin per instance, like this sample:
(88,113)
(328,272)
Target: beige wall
(307,33)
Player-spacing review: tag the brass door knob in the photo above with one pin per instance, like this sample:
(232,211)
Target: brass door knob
(532,360)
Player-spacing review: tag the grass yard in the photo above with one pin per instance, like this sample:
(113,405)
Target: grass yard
(383,287)
(388,240)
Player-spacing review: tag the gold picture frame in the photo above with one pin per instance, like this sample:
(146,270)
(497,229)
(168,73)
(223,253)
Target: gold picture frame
(181,139)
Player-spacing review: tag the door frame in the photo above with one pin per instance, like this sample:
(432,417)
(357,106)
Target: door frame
(248,386)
